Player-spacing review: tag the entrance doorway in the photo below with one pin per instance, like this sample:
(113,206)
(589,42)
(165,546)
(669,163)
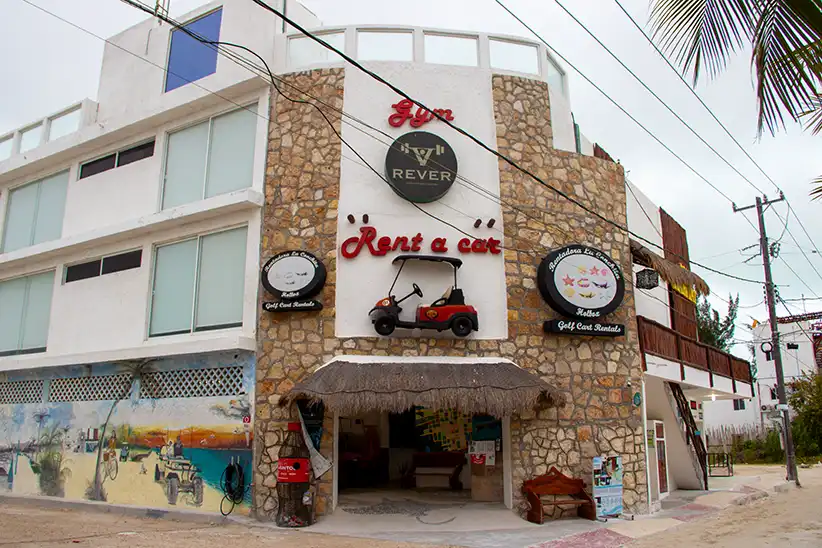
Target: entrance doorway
(421,455)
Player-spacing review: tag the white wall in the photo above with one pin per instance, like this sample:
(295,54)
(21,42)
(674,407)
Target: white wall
(365,279)
(110,312)
(644,220)
(128,84)
(794,364)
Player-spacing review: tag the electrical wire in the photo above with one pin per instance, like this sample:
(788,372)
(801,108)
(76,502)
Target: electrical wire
(356,64)
(657,97)
(813,266)
(798,277)
(482,145)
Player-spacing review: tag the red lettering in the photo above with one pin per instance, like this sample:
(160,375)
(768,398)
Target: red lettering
(438,245)
(384,245)
(416,241)
(403,113)
(419,117)
(492,246)
(464,245)
(402,243)
(367,235)
(479,246)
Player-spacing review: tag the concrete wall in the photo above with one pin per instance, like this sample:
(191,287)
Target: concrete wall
(682,473)
(365,279)
(56,457)
(795,363)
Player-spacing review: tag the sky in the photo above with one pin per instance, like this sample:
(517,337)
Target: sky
(59,64)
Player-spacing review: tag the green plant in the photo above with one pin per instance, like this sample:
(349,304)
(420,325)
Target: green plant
(713,330)
(52,472)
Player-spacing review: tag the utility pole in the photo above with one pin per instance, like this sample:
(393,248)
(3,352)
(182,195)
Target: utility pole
(770,297)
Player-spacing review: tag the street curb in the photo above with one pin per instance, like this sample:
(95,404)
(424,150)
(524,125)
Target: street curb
(192,516)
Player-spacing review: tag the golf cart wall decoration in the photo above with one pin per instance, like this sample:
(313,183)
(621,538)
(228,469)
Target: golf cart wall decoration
(582,283)
(447,312)
(294,277)
(420,166)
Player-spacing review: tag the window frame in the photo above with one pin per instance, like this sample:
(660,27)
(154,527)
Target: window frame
(505,40)
(166,72)
(386,30)
(339,60)
(444,34)
(198,237)
(101,258)
(7,206)
(210,121)
(116,154)
(739,404)
(39,349)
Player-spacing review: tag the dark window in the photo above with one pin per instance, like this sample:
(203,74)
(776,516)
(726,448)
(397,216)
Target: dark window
(130,155)
(739,405)
(190,59)
(693,404)
(793,346)
(124,261)
(82,271)
(774,395)
(97,166)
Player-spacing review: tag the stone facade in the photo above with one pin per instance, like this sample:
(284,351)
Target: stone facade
(302,186)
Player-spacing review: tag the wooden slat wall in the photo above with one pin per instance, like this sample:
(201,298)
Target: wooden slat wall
(675,243)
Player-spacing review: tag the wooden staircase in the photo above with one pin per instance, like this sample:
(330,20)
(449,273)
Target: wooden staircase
(690,429)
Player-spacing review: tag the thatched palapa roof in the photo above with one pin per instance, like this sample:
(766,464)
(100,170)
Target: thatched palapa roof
(668,270)
(349,386)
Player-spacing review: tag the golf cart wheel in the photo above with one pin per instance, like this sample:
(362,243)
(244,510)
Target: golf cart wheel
(384,325)
(173,490)
(157,474)
(462,326)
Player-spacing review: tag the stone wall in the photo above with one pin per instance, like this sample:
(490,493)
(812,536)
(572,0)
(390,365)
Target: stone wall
(302,185)
(599,376)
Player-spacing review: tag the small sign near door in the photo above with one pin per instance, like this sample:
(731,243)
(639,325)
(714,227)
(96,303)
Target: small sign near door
(608,486)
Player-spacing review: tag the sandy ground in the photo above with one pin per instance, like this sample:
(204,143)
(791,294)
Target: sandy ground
(134,484)
(790,519)
(25,526)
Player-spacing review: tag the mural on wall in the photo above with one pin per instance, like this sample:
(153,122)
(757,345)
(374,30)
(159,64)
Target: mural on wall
(168,448)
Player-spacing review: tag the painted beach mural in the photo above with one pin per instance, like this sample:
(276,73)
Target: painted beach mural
(164,436)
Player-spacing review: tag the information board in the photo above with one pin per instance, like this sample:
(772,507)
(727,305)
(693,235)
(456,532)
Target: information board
(608,486)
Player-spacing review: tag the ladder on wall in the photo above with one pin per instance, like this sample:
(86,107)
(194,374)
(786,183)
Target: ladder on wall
(690,429)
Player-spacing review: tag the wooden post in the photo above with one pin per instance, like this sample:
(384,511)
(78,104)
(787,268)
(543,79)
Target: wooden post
(679,355)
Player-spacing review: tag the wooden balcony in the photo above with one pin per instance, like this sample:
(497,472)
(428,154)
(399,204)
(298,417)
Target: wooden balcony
(657,340)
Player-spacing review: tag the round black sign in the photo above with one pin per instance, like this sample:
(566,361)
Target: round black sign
(581,282)
(293,275)
(421,166)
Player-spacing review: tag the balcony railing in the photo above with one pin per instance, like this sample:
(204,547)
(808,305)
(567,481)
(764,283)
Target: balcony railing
(657,340)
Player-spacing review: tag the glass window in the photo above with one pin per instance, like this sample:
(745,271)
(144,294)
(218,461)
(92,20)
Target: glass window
(199,284)
(123,261)
(555,76)
(97,166)
(83,271)
(5,147)
(133,154)
(451,50)
(231,151)
(224,144)
(514,57)
(64,124)
(303,51)
(190,59)
(739,405)
(30,138)
(25,307)
(221,279)
(385,46)
(35,213)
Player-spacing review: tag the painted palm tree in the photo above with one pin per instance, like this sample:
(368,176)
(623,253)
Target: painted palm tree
(786,41)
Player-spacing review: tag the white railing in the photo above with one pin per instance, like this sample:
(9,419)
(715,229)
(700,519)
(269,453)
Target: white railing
(52,127)
(501,53)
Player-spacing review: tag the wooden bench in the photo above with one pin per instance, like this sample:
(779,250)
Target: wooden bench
(555,489)
(445,463)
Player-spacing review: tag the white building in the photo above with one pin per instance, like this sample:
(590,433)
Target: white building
(798,343)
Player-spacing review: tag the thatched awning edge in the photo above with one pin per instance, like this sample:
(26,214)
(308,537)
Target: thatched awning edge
(669,271)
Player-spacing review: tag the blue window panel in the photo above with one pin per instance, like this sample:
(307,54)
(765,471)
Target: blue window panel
(189,59)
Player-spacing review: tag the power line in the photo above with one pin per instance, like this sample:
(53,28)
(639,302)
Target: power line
(484,146)
(657,97)
(798,277)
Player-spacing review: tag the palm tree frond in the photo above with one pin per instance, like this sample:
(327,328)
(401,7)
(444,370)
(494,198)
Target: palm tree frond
(786,52)
(702,34)
(816,193)
(813,118)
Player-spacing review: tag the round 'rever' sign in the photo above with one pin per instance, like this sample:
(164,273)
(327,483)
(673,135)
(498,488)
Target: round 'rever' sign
(421,166)
(581,282)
